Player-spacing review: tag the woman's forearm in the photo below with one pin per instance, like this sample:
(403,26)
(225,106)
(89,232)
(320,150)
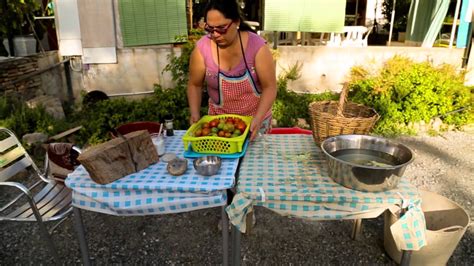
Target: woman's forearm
(267,98)
(194,100)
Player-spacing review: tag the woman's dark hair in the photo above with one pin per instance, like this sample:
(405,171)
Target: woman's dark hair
(230,10)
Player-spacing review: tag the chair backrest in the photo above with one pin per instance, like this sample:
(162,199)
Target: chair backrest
(13,156)
(152,127)
(61,159)
(355,36)
(366,37)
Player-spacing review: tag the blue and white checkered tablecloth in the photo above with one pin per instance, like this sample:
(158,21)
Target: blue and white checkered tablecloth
(288,174)
(153,190)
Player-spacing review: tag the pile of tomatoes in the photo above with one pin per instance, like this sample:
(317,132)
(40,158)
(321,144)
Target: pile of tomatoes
(227,128)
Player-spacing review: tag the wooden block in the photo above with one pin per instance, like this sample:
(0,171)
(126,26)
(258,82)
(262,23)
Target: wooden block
(118,157)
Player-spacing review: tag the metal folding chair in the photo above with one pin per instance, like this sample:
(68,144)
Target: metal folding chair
(40,197)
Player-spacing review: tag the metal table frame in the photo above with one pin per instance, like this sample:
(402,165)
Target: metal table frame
(81,235)
(357,227)
(236,237)
(81,232)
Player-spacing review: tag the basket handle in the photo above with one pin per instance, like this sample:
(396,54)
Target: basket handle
(342,99)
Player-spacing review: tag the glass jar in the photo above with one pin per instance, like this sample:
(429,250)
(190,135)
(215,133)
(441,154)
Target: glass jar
(169,127)
(159,142)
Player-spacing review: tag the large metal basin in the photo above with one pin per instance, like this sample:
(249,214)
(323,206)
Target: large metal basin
(366,163)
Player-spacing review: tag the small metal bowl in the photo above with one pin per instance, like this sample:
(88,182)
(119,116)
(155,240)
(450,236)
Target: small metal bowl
(207,165)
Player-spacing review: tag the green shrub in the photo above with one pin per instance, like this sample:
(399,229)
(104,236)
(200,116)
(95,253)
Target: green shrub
(179,65)
(18,117)
(403,92)
(289,105)
(99,119)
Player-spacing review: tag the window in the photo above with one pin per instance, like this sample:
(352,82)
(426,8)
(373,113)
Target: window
(305,15)
(148,22)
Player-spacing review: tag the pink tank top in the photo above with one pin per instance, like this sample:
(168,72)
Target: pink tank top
(254,44)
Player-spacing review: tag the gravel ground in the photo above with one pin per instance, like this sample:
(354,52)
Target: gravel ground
(444,164)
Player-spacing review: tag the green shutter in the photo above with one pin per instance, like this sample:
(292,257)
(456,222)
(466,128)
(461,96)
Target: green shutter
(305,15)
(146,22)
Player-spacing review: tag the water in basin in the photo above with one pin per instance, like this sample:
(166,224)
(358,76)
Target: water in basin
(366,157)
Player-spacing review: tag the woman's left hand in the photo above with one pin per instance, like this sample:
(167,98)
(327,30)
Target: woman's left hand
(255,128)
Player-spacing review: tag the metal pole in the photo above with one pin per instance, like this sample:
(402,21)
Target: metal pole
(81,235)
(356,13)
(455,22)
(235,234)
(356,229)
(467,50)
(392,19)
(225,236)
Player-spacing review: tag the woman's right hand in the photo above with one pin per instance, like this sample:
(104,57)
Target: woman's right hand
(194,118)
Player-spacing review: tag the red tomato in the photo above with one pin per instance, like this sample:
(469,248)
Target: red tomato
(214,123)
(206,131)
(241,126)
(198,133)
(228,134)
(221,133)
(229,120)
(205,125)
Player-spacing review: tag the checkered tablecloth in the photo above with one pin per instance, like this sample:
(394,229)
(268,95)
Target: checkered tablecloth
(288,174)
(153,190)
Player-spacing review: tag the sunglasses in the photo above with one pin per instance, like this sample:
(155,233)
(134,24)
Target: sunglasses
(219,29)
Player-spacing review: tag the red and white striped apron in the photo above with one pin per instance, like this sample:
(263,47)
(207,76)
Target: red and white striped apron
(238,95)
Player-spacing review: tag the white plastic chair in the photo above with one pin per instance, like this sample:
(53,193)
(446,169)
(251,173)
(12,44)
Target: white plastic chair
(335,39)
(355,36)
(352,36)
(46,200)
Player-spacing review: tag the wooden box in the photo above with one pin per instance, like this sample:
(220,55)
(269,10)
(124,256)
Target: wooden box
(119,157)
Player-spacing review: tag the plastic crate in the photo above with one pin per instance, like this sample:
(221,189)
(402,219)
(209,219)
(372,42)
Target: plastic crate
(213,144)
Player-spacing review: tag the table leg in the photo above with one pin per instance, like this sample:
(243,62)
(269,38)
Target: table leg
(406,256)
(81,236)
(235,246)
(356,229)
(225,236)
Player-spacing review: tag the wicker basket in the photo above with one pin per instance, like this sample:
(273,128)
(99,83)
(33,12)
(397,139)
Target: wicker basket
(332,118)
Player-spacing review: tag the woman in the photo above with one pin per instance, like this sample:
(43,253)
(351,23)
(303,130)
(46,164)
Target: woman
(237,66)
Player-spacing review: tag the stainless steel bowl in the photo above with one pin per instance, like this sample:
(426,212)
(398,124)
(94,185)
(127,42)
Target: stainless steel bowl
(366,163)
(207,165)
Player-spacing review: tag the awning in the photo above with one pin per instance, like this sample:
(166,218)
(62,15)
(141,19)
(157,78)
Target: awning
(425,20)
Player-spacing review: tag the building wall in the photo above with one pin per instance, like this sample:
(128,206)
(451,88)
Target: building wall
(137,70)
(51,82)
(323,68)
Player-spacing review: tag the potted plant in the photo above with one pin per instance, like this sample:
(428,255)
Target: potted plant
(16,23)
